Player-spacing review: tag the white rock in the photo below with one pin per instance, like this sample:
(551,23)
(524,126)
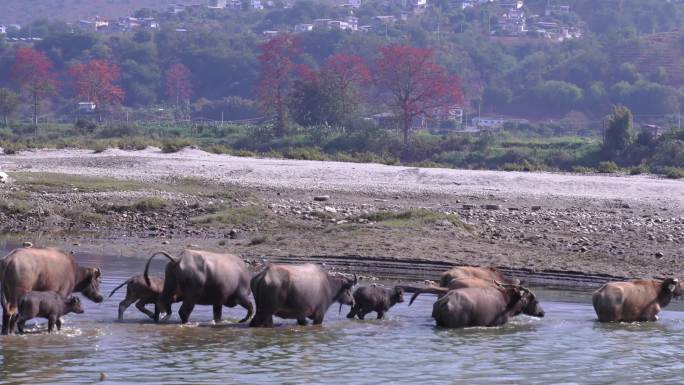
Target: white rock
(4,178)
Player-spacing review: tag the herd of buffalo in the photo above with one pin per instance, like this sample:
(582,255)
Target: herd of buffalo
(38,282)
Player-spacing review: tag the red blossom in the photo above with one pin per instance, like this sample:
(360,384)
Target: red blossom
(277,67)
(94,82)
(417,85)
(32,71)
(178,85)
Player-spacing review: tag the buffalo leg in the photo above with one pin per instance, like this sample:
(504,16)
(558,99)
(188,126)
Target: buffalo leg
(352,312)
(318,318)
(218,312)
(262,320)
(51,324)
(20,325)
(381,314)
(5,321)
(247,304)
(185,311)
(59,324)
(141,306)
(123,305)
(302,321)
(362,313)
(13,323)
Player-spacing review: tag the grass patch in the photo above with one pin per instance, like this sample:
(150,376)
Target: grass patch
(258,240)
(64,183)
(12,206)
(145,205)
(231,216)
(175,145)
(414,218)
(201,188)
(83,215)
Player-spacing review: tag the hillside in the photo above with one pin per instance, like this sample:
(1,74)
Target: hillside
(660,50)
(25,11)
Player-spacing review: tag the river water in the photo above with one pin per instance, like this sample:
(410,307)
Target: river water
(567,346)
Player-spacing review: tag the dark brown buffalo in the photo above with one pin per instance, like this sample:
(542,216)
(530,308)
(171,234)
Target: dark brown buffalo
(491,306)
(204,278)
(35,269)
(297,292)
(46,304)
(375,298)
(138,290)
(634,301)
(485,273)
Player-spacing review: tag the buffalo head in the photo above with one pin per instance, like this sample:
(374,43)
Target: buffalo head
(90,284)
(344,295)
(532,306)
(673,287)
(397,295)
(74,305)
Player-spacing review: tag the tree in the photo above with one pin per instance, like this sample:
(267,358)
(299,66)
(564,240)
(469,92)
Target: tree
(277,67)
(8,103)
(94,82)
(619,134)
(346,74)
(417,86)
(32,70)
(178,85)
(557,96)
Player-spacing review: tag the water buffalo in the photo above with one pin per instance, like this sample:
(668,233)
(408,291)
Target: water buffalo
(492,306)
(299,292)
(634,301)
(138,290)
(375,298)
(36,269)
(204,278)
(46,304)
(485,273)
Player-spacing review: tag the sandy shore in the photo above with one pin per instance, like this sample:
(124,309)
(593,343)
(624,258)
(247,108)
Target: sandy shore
(619,225)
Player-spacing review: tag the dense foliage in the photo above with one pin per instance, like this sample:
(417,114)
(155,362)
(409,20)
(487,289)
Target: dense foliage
(206,62)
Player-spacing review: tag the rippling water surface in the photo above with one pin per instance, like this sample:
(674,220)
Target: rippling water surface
(567,346)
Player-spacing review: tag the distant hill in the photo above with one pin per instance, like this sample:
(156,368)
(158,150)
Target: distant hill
(660,50)
(25,11)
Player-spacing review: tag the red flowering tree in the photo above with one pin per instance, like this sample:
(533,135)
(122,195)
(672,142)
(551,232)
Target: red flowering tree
(277,72)
(178,84)
(416,85)
(32,71)
(346,73)
(94,82)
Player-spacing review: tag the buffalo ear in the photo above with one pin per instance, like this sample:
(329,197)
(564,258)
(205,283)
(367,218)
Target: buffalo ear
(97,273)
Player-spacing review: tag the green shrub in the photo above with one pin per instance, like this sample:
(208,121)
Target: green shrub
(582,169)
(608,167)
(99,147)
(673,172)
(637,170)
(175,145)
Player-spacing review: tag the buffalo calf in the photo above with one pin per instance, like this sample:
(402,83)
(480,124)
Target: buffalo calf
(375,298)
(142,294)
(46,304)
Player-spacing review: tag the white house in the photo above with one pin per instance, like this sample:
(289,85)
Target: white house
(303,27)
(488,123)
